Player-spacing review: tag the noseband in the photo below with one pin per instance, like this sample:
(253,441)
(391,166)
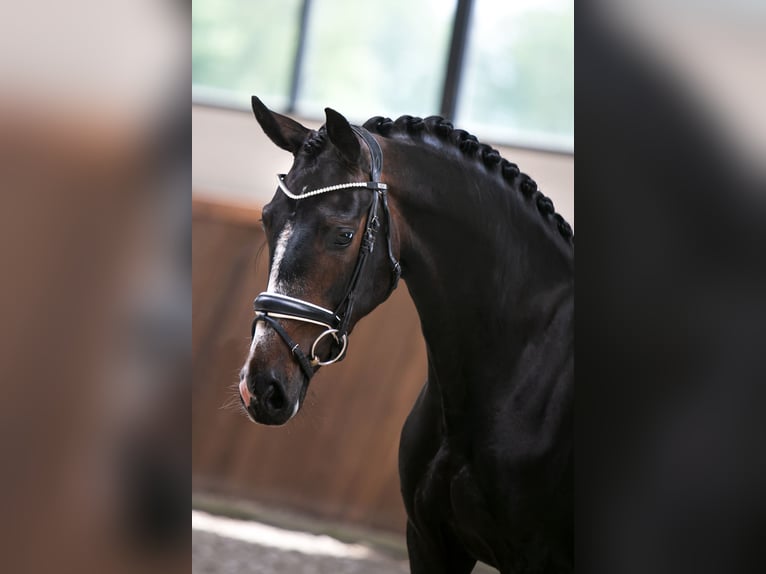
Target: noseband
(272,306)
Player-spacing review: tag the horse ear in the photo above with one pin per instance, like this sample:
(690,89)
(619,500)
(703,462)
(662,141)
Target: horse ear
(342,136)
(283,131)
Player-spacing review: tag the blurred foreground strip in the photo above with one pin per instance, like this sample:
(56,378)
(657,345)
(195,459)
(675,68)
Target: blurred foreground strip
(264,535)
(95,295)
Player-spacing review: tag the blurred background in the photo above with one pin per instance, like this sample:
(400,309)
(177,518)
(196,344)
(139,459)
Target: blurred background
(671,313)
(502,70)
(95,293)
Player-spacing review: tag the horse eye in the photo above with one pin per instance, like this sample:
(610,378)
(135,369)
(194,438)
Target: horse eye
(344,238)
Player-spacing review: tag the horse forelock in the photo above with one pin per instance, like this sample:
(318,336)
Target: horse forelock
(315,142)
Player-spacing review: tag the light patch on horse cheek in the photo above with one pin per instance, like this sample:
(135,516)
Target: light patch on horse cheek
(274,286)
(260,331)
(259,337)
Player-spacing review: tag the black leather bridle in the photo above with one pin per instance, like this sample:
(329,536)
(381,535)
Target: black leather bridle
(272,306)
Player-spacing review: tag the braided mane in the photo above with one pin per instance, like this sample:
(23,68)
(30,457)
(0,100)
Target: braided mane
(470,147)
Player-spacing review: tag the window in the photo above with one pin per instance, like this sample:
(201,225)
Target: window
(242,47)
(518,79)
(509,76)
(375,58)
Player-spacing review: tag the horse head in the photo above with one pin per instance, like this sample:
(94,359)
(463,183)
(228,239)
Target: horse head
(332,259)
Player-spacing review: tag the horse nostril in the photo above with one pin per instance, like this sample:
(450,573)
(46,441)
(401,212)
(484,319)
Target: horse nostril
(274,397)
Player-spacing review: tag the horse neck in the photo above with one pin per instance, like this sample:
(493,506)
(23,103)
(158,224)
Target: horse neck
(479,260)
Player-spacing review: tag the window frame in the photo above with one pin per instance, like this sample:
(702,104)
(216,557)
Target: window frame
(459,37)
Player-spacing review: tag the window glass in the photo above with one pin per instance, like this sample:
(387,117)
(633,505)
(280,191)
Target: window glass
(375,58)
(245,47)
(367,58)
(518,75)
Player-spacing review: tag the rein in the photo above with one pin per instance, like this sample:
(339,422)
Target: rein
(272,306)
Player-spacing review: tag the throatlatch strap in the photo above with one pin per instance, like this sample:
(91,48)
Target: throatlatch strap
(395,266)
(376,167)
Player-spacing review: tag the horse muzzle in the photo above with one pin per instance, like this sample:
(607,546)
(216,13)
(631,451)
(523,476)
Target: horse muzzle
(267,400)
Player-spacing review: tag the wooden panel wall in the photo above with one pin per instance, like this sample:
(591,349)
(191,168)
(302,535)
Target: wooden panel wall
(338,458)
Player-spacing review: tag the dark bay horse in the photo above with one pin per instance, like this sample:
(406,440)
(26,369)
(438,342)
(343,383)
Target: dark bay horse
(485,457)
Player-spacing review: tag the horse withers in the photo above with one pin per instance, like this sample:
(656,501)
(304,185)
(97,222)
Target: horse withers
(485,458)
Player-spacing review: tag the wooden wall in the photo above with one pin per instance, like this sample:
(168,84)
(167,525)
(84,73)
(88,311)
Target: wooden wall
(338,458)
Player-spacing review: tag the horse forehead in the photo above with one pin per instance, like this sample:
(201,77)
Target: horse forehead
(286,259)
(307,171)
(339,204)
(292,242)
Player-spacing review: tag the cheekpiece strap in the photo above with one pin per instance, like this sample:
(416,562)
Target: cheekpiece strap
(376,155)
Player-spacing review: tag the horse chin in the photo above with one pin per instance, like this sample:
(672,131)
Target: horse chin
(269,418)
